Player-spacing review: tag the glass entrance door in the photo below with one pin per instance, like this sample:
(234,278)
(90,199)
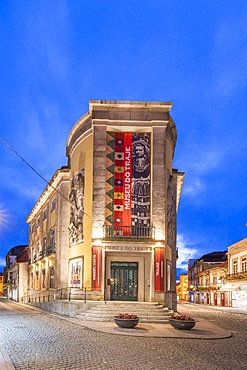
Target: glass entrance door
(124,281)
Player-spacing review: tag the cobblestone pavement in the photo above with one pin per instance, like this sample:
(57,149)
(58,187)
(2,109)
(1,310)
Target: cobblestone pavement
(40,341)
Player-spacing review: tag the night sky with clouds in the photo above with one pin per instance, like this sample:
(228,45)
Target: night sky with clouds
(57,55)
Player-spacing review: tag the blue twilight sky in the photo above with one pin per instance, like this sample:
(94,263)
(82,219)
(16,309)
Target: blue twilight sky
(57,55)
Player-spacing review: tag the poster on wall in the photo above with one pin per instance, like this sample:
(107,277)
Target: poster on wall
(159,269)
(76,273)
(128,183)
(97,267)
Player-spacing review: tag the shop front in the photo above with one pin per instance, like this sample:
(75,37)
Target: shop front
(236,294)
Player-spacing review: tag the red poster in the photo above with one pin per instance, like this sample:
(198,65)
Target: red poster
(159,269)
(96,267)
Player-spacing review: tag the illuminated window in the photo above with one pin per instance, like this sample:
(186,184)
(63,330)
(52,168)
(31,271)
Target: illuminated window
(244,264)
(43,278)
(37,279)
(235,267)
(52,274)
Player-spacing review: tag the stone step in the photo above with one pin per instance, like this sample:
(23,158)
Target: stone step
(147,312)
(128,310)
(133,312)
(153,320)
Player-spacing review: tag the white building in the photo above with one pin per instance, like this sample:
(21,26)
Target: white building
(236,287)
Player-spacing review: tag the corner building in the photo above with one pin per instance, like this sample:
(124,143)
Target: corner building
(124,196)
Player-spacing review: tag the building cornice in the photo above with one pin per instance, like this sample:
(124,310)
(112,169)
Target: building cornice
(49,190)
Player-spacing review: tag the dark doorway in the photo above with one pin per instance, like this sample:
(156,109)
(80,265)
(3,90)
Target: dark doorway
(124,281)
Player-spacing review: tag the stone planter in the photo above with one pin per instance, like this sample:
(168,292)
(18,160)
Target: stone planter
(126,323)
(182,324)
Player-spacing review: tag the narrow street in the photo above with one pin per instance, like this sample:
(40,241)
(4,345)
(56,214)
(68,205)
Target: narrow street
(34,339)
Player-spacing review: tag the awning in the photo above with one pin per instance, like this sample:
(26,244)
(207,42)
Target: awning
(234,286)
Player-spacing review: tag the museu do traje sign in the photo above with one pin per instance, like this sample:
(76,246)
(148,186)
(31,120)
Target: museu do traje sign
(128,182)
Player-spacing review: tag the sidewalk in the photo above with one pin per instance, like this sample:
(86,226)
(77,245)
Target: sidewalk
(5,361)
(202,330)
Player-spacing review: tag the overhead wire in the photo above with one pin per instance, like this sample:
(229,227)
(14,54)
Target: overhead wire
(36,172)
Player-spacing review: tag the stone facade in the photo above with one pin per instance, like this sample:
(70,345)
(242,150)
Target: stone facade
(107,254)
(114,224)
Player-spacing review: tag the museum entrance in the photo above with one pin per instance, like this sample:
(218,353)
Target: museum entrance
(124,281)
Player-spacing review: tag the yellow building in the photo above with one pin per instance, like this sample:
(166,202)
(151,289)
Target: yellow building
(182,287)
(235,288)
(48,239)
(1,283)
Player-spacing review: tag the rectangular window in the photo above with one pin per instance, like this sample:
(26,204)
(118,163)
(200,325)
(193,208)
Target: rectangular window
(243,264)
(215,280)
(52,237)
(43,278)
(31,280)
(52,274)
(38,222)
(45,215)
(37,280)
(53,204)
(235,267)
(44,244)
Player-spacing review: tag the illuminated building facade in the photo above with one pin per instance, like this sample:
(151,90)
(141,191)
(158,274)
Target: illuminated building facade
(1,283)
(123,199)
(48,238)
(182,287)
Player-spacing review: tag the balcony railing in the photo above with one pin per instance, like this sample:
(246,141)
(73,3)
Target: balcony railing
(146,232)
(43,253)
(237,275)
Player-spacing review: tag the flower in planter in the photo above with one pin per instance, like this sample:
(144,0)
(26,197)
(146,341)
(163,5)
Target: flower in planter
(126,316)
(181,317)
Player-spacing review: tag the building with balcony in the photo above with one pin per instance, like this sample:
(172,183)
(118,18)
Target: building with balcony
(16,273)
(236,279)
(206,275)
(48,238)
(124,195)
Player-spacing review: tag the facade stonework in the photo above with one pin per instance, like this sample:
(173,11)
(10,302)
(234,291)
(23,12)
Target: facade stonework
(128,251)
(115,220)
(48,238)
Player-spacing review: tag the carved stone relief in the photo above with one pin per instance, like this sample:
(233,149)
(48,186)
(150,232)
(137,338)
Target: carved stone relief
(76,198)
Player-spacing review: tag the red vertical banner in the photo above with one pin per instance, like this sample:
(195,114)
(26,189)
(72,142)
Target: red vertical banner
(127,180)
(96,267)
(159,269)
